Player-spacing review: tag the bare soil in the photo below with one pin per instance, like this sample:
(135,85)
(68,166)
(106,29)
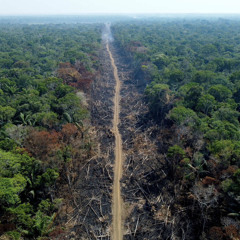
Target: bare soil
(117,199)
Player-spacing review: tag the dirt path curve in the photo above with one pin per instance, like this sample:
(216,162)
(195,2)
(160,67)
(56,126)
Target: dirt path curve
(117,200)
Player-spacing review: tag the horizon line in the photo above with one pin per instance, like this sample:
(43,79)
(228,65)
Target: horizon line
(117,13)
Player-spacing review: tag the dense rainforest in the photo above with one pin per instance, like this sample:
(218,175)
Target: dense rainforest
(191,70)
(45,76)
(179,123)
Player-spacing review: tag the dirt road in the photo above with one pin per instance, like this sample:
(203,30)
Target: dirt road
(117,200)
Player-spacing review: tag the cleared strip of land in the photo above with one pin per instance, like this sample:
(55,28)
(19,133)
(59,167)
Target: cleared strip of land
(117,200)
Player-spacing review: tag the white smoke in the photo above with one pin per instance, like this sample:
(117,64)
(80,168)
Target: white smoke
(106,33)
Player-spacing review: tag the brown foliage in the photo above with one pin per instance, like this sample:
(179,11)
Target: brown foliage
(69,132)
(76,76)
(56,232)
(82,84)
(213,167)
(232,232)
(7,227)
(229,171)
(68,73)
(216,233)
(209,181)
(189,151)
(23,151)
(43,143)
(65,65)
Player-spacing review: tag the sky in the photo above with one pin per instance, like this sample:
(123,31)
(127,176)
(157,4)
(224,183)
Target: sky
(47,7)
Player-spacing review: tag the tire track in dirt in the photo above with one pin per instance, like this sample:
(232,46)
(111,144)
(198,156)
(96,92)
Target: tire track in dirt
(117,199)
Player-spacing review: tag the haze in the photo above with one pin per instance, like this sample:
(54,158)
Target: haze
(46,7)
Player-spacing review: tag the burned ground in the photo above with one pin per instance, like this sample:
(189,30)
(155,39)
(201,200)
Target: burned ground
(87,211)
(154,202)
(150,196)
